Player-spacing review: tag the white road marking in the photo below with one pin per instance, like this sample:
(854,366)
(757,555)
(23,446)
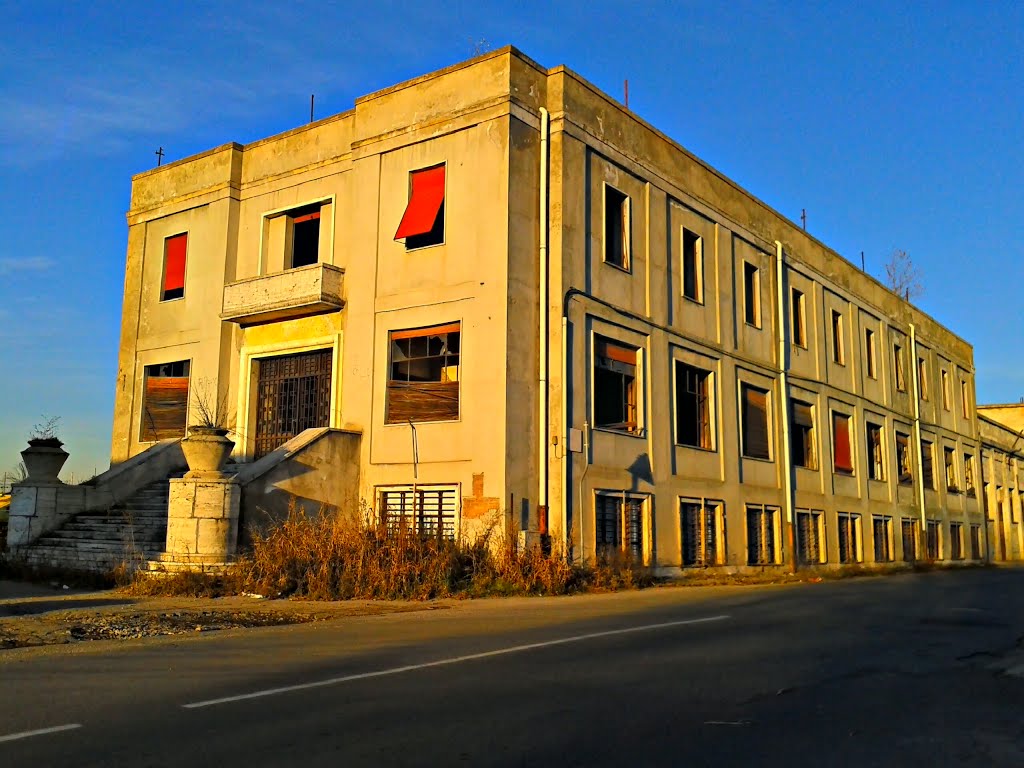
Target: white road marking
(40,732)
(444,662)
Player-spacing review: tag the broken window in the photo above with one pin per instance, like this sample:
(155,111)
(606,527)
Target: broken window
(922,377)
(949,460)
(969,487)
(693,266)
(619,527)
(175,250)
(700,524)
(909,528)
(418,510)
(849,537)
(897,367)
(933,541)
(945,389)
(869,353)
(810,532)
(616,228)
(876,464)
(841,449)
(838,351)
(423,379)
(804,454)
(693,406)
(751,295)
(881,527)
(796,310)
(965,401)
(762,532)
(422,223)
(165,401)
(756,444)
(956,541)
(903,458)
(927,475)
(615,386)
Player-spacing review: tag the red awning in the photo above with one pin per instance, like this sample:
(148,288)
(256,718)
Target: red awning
(174,262)
(424,203)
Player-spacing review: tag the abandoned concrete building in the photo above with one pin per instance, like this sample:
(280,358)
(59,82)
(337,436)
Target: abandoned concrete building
(494,296)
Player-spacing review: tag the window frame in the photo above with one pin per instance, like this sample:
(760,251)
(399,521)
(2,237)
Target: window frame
(956,540)
(769,434)
(809,459)
(970,483)
(637,387)
(949,466)
(870,354)
(909,524)
(850,522)
(946,394)
(448,529)
(705,508)
(838,342)
(448,329)
(442,213)
(928,464)
(887,548)
(696,269)
(752,294)
(184,268)
(680,368)
(815,519)
(922,378)
(837,468)
(625,219)
(770,514)
(875,450)
(905,474)
(899,370)
(623,547)
(155,436)
(798,314)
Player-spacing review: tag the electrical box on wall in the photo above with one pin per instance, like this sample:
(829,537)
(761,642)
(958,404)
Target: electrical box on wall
(575,440)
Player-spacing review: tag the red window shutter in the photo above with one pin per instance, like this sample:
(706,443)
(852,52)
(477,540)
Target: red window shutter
(618,352)
(424,203)
(174,262)
(841,429)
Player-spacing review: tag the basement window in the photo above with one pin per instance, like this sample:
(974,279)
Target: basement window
(693,407)
(619,527)
(701,533)
(909,531)
(756,442)
(422,223)
(810,533)
(425,510)
(165,401)
(693,266)
(803,435)
(615,386)
(903,459)
(841,449)
(849,537)
(881,529)
(423,375)
(173,283)
(616,228)
(762,535)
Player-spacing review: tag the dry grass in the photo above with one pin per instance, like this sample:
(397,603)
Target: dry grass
(340,557)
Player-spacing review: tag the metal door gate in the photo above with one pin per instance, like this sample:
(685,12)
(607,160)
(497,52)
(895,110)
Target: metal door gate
(294,393)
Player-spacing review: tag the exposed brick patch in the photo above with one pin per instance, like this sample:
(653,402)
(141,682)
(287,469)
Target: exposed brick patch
(478,505)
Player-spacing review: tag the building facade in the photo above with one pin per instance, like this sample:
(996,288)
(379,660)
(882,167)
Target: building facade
(539,312)
(1002,456)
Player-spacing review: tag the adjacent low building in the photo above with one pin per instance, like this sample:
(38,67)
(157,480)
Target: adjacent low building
(528,308)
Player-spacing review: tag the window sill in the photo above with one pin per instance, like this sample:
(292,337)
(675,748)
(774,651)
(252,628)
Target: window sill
(423,247)
(700,448)
(806,468)
(879,480)
(751,325)
(640,433)
(843,472)
(758,458)
(691,300)
(621,267)
(171,301)
(419,423)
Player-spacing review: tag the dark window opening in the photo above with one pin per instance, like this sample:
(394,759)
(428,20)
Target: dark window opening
(755,422)
(869,352)
(165,401)
(809,544)
(423,221)
(969,487)
(693,407)
(615,386)
(699,525)
(842,452)
(927,476)
(903,458)
(799,320)
(803,435)
(423,379)
(838,353)
(751,295)
(933,544)
(849,538)
(949,459)
(975,542)
(616,228)
(305,235)
(761,523)
(882,530)
(909,540)
(618,529)
(956,541)
(693,266)
(293,395)
(876,465)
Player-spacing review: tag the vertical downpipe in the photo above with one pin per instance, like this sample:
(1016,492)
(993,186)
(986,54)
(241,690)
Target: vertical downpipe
(787,453)
(543,340)
(919,451)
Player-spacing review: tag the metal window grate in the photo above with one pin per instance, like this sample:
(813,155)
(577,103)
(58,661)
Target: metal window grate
(881,529)
(956,541)
(699,527)
(809,537)
(849,551)
(932,540)
(429,511)
(909,530)
(294,393)
(619,526)
(760,535)
(976,542)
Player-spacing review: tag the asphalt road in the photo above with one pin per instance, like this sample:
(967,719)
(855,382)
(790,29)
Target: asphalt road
(913,670)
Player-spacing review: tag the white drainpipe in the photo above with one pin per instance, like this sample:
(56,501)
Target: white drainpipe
(917,435)
(787,453)
(543,334)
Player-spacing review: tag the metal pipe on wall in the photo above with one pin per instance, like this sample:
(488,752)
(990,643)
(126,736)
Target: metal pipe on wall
(787,453)
(543,340)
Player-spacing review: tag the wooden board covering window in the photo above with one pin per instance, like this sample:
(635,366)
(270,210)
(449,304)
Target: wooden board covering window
(164,406)
(755,423)
(431,400)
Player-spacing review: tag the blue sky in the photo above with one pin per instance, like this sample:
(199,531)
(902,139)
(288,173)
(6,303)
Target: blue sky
(895,125)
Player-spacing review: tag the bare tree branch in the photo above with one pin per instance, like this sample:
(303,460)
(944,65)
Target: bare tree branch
(902,276)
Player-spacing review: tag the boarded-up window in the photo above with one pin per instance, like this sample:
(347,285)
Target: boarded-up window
(762,531)
(423,380)
(616,228)
(849,537)
(693,266)
(755,422)
(803,435)
(165,401)
(619,526)
(175,251)
(897,367)
(876,463)
(693,406)
(810,536)
(881,528)
(965,400)
(423,221)
(615,386)
(922,377)
(420,510)
(928,476)
(843,456)
(903,458)
(699,525)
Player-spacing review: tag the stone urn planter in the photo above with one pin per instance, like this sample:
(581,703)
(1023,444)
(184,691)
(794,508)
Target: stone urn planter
(43,459)
(206,451)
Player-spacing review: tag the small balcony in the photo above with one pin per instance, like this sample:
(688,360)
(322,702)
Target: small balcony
(284,295)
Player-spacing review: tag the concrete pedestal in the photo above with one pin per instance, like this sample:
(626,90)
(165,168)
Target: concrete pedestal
(202,520)
(37,508)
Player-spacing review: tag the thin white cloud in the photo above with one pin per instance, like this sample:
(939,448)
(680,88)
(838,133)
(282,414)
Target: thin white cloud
(10,265)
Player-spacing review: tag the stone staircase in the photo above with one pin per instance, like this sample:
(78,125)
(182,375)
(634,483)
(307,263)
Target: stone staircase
(99,540)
